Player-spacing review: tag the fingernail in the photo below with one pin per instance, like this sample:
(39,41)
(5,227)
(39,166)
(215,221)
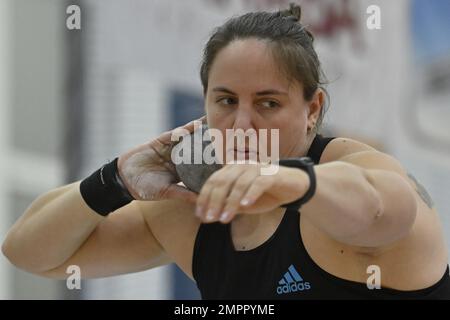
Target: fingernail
(210,215)
(224,217)
(245,202)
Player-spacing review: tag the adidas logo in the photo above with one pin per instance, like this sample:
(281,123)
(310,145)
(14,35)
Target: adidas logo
(292,282)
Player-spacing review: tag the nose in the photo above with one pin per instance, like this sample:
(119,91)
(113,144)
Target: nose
(244,117)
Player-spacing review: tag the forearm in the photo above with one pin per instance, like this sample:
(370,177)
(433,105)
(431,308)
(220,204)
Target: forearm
(51,229)
(345,203)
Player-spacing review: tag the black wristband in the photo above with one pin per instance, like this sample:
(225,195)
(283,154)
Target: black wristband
(104,191)
(307,165)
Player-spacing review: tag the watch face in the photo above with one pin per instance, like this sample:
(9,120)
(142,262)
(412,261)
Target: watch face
(307,160)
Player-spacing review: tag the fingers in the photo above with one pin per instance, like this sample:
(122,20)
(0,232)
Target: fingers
(214,193)
(221,196)
(194,124)
(174,135)
(256,190)
(235,200)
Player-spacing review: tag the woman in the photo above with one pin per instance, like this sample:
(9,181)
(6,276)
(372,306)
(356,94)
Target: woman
(235,238)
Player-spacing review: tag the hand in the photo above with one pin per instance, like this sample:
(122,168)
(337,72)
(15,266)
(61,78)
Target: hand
(240,188)
(148,172)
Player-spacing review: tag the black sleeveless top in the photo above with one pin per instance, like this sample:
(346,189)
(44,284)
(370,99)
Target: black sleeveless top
(281,268)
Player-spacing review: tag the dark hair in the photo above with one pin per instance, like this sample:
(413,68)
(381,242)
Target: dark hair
(290,42)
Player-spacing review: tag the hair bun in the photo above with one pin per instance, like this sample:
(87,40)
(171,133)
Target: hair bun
(294,11)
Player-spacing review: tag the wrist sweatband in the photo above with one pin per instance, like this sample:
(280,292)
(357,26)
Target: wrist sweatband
(104,191)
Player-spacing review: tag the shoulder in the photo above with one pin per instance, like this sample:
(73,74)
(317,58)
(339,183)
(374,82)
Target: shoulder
(364,155)
(175,226)
(340,147)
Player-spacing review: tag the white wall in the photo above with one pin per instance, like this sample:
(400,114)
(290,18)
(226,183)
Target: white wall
(31,123)
(5,101)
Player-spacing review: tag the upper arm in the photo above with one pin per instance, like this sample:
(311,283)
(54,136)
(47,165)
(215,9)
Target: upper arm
(175,227)
(121,243)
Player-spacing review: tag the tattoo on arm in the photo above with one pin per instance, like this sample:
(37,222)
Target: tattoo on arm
(422,192)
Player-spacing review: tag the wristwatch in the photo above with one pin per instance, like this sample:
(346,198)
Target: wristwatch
(307,165)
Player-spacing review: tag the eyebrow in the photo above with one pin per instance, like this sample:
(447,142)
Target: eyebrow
(260,93)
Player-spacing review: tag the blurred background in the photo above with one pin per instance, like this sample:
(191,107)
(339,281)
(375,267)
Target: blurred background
(72,99)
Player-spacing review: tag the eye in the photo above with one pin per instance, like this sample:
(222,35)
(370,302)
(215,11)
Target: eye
(270,104)
(227,101)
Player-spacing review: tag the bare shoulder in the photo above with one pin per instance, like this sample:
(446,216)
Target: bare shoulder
(175,226)
(341,147)
(362,154)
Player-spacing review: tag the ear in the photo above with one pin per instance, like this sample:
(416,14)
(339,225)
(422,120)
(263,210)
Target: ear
(315,107)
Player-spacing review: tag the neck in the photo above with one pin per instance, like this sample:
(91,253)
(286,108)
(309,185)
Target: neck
(309,141)
(303,152)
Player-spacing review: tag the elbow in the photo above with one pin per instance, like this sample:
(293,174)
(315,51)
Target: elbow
(396,200)
(18,257)
(394,210)
(372,205)
(8,247)
(6,250)
(9,251)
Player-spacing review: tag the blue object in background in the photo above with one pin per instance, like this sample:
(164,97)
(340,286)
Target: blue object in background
(430,21)
(184,107)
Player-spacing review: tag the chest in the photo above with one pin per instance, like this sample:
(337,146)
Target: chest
(333,257)
(248,234)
